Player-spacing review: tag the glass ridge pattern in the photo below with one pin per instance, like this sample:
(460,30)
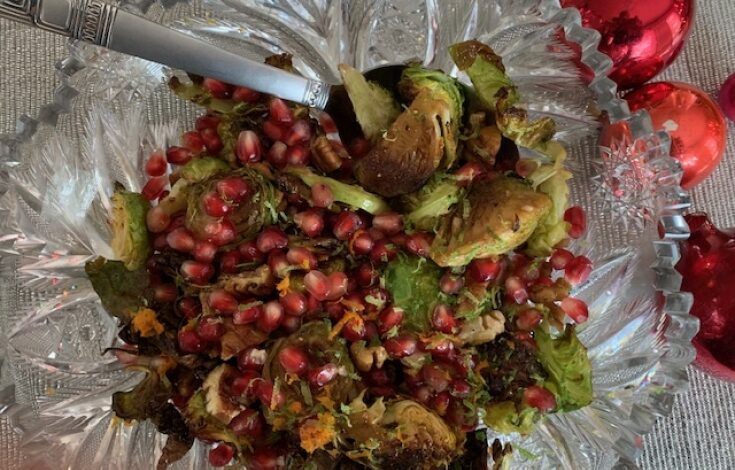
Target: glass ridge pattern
(110,110)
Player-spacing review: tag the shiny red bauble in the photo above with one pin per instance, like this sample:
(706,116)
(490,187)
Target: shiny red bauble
(695,123)
(708,269)
(642,37)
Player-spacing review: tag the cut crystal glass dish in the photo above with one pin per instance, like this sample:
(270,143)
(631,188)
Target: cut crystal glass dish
(110,110)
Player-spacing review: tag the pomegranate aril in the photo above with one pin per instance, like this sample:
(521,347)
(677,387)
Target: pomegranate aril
(271,238)
(196,272)
(208,121)
(440,402)
(204,251)
(189,307)
(214,205)
(442,319)
(165,293)
(577,220)
(578,270)
(247,314)
(576,309)
(539,398)
(400,346)
(468,172)
(297,155)
(245,383)
(233,189)
(560,258)
(278,264)
(277,154)
(181,239)
(251,359)
(389,318)
(459,388)
(221,455)
(359,147)
(321,376)
(275,132)
(366,275)
(390,223)
(435,377)
(280,112)
(354,330)
(337,285)
(217,88)
(422,394)
(271,316)
(300,132)
(293,360)
(221,233)
(317,284)
(451,284)
(178,221)
(294,304)
(249,423)
(250,253)
(516,290)
(190,342)
(378,377)
(383,251)
(266,459)
(212,141)
(528,319)
(291,323)
(361,243)
(321,195)
(156,164)
(178,155)
(484,270)
(193,141)
(222,301)
(419,244)
(245,95)
(302,257)
(210,329)
(248,148)
(154,187)
(310,222)
(157,219)
(229,261)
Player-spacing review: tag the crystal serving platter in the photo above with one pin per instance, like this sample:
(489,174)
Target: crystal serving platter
(56,175)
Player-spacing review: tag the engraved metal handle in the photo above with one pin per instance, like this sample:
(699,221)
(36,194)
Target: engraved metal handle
(105,25)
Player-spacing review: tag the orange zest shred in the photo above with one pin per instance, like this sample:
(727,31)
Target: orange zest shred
(278,423)
(283,286)
(317,433)
(146,323)
(296,407)
(349,315)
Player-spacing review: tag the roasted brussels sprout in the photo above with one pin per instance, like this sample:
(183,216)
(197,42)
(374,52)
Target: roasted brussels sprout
(130,242)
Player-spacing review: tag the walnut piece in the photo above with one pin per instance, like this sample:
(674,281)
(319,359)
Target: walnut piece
(483,329)
(324,156)
(364,357)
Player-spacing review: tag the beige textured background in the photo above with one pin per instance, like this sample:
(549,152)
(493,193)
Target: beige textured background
(700,434)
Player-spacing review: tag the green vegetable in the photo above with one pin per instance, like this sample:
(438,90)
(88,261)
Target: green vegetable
(504,417)
(413,283)
(374,106)
(552,180)
(349,194)
(120,290)
(496,217)
(498,94)
(421,140)
(570,373)
(435,199)
(202,168)
(129,232)
(175,201)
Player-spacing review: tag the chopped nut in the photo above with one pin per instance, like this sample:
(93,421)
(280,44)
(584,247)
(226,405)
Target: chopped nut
(324,156)
(258,282)
(365,357)
(483,329)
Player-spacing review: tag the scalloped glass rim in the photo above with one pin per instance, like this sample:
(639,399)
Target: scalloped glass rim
(679,329)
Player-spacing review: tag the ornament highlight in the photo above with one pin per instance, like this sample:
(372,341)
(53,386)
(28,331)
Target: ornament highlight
(642,37)
(694,121)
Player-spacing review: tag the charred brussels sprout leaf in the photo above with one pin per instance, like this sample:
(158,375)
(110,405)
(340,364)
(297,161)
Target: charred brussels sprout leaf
(421,140)
(129,232)
(203,168)
(413,283)
(120,290)
(504,417)
(374,106)
(496,217)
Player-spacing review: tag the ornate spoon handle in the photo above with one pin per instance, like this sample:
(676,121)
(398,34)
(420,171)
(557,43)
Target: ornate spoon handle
(105,25)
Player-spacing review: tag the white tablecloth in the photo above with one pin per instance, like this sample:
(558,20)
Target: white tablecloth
(700,433)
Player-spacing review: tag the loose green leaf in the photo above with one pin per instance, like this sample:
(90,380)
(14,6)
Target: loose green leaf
(120,290)
(129,231)
(375,107)
(413,283)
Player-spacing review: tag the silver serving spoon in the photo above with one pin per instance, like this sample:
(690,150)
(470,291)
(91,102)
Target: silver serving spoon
(105,25)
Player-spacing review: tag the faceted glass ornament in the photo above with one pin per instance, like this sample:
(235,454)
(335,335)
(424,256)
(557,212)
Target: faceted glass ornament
(110,111)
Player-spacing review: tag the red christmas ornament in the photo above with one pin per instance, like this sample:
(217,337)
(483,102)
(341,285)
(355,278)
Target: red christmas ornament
(708,269)
(697,127)
(642,37)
